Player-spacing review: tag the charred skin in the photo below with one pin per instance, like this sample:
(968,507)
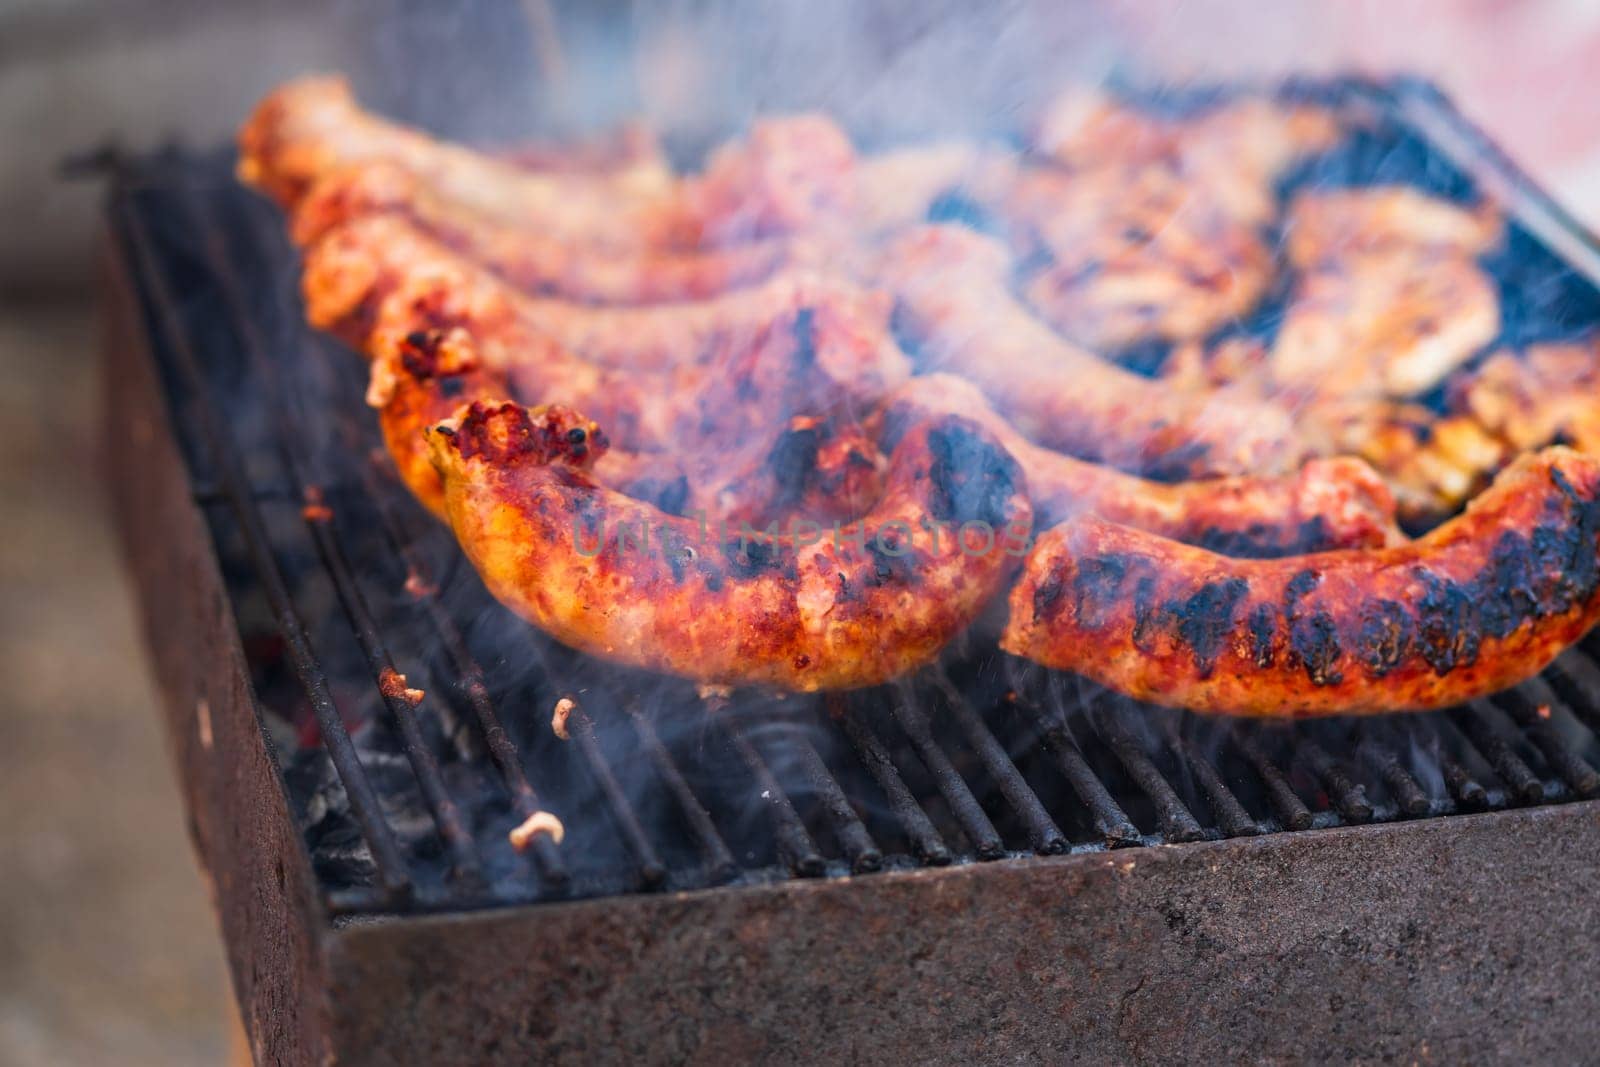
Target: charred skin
(1480,604)
(803,617)
(382,282)
(952,296)
(1326,504)
(813,466)
(533,260)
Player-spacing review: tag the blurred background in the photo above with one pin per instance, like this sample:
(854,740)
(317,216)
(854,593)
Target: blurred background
(108,949)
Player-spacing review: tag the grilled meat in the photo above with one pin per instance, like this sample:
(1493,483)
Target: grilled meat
(787,173)
(313,125)
(576,560)
(1394,324)
(791,175)
(1343,224)
(1482,602)
(1333,503)
(1512,403)
(1152,226)
(821,468)
(1230,154)
(1136,255)
(744,380)
(352,269)
(1390,299)
(1550,392)
(950,284)
(539,262)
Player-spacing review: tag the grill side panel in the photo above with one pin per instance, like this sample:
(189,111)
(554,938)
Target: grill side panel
(250,852)
(1303,947)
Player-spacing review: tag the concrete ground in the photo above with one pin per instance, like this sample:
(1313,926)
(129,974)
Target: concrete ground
(109,951)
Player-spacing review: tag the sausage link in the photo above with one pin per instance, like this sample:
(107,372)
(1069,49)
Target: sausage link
(1479,604)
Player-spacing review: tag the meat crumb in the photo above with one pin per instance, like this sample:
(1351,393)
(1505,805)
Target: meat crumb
(416,586)
(392,684)
(540,822)
(558,718)
(315,510)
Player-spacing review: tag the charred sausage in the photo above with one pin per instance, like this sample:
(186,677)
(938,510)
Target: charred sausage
(1328,503)
(1479,604)
(845,610)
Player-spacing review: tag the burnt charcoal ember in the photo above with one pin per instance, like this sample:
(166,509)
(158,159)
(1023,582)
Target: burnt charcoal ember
(338,851)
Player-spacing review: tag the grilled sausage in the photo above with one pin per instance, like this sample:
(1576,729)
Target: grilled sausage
(820,468)
(1328,503)
(950,284)
(723,415)
(534,260)
(787,175)
(351,270)
(313,125)
(553,546)
(1481,603)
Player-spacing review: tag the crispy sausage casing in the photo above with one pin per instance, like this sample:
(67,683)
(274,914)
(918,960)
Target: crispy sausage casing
(1479,604)
(1328,503)
(834,614)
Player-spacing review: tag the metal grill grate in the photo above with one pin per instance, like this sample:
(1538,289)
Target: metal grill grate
(340,583)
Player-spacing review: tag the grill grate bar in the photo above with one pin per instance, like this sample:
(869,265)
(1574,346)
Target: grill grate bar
(1292,811)
(1530,707)
(1349,796)
(1106,815)
(652,872)
(1467,790)
(378,475)
(391,685)
(1409,796)
(975,823)
(594,758)
(364,804)
(720,863)
(1522,784)
(926,844)
(795,845)
(1570,676)
(1044,836)
(1177,823)
(859,848)
(320,522)
(1232,818)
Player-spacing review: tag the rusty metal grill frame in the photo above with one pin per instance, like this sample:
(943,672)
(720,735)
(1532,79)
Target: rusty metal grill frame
(951,790)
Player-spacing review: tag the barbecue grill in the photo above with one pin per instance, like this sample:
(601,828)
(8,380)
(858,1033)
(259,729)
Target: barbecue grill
(988,862)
